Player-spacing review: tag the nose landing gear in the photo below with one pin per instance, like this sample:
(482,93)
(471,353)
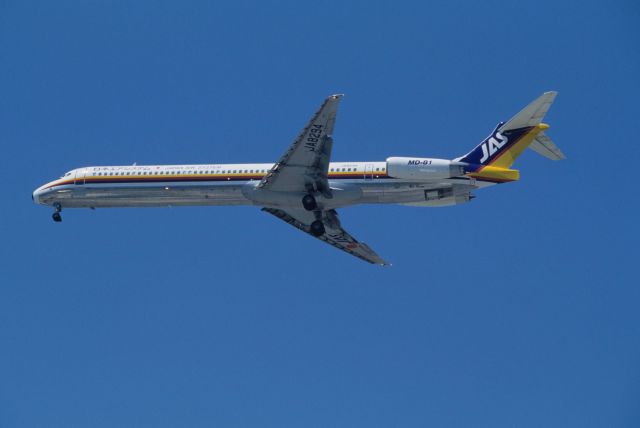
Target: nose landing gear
(56,215)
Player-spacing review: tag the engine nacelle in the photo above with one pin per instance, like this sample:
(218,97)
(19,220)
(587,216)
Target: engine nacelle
(423,168)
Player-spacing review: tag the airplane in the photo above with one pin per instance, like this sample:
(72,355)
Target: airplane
(304,188)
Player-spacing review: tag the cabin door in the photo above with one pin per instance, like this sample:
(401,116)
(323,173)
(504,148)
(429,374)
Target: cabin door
(368,171)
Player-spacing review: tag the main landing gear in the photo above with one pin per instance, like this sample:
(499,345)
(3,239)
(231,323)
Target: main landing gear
(56,215)
(309,203)
(317,228)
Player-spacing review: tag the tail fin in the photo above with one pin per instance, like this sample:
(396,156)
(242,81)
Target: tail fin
(508,140)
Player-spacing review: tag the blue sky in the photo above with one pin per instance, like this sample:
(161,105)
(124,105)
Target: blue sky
(518,309)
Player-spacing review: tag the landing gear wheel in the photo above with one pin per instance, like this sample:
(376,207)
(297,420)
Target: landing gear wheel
(309,203)
(317,228)
(56,215)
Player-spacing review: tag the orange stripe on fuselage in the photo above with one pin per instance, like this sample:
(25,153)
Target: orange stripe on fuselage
(155,178)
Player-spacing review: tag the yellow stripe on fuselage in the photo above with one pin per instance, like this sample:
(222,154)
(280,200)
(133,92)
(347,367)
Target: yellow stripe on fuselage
(97,179)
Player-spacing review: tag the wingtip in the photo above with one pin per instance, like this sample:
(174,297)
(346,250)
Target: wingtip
(336,96)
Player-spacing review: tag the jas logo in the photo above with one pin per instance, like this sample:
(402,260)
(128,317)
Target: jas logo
(492,145)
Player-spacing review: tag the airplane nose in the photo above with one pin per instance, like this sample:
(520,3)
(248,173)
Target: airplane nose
(35,196)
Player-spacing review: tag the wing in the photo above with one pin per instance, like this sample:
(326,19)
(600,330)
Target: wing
(334,233)
(304,165)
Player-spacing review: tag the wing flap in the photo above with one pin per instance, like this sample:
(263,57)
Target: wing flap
(335,235)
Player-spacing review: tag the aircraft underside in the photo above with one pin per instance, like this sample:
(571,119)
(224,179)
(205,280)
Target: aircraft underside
(344,194)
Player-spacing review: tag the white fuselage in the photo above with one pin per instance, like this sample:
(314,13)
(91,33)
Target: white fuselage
(235,184)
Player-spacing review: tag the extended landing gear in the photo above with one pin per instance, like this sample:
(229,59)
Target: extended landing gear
(317,228)
(56,215)
(309,203)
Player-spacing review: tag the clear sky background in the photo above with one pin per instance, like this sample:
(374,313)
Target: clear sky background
(519,309)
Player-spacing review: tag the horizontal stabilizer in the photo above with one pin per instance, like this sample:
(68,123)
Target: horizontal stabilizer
(543,145)
(532,114)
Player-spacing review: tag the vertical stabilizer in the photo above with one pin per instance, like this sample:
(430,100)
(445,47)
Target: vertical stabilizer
(532,114)
(508,140)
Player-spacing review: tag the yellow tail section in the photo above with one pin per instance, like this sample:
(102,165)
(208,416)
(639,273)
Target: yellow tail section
(506,158)
(496,174)
(491,160)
